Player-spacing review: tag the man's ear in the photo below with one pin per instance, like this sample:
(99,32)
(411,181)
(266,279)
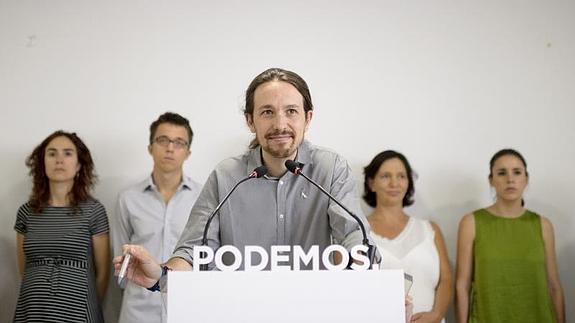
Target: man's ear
(250,122)
(308,116)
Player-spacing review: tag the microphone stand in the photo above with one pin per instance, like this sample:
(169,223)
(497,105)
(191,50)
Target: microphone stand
(296,168)
(257,173)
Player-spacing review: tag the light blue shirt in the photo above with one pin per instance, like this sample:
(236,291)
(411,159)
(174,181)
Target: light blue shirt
(143,218)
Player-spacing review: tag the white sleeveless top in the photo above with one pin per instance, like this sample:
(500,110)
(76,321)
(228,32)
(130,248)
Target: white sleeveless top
(414,251)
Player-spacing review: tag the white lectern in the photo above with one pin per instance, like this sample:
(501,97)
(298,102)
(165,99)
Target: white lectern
(286,296)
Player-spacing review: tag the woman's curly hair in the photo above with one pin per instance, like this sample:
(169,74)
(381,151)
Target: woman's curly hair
(83,183)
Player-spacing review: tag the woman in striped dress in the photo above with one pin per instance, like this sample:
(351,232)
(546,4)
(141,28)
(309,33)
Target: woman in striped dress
(62,236)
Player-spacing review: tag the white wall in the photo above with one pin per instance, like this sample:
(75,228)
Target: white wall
(446,83)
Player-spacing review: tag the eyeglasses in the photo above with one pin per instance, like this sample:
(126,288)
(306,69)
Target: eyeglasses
(165,142)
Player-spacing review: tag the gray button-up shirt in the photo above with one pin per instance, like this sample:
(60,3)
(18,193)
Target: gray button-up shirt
(142,217)
(276,211)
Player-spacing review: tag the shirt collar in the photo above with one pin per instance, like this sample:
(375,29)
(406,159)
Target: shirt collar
(149,184)
(186,182)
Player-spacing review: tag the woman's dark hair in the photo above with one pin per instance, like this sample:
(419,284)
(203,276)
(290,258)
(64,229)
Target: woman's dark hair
(83,183)
(276,74)
(507,152)
(371,170)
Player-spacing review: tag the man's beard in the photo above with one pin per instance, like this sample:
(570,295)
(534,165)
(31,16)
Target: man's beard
(280,152)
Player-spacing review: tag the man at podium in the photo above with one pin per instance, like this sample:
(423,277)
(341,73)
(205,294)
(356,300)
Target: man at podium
(276,209)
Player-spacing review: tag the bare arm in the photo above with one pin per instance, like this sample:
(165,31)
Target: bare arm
(464,268)
(101,248)
(20,253)
(444,289)
(553,280)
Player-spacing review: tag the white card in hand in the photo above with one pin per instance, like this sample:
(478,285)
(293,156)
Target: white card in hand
(122,279)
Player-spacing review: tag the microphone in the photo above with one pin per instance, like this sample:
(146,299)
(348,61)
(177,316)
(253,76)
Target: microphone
(296,168)
(256,173)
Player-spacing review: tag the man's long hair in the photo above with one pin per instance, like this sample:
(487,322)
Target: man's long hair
(276,74)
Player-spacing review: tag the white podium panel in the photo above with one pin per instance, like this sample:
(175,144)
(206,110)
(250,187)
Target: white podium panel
(286,296)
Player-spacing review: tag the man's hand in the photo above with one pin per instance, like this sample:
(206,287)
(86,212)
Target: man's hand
(143,270)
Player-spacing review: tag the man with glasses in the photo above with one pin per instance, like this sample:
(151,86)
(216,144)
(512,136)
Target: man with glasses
(154,212)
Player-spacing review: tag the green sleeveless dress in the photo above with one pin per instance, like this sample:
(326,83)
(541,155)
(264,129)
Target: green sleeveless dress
(509,278)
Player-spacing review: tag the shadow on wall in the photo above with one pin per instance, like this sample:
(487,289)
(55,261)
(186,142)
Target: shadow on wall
(15,195)
(563,225)
(565,258)
(447,217)
(107,192)
(113,301)
(10,282)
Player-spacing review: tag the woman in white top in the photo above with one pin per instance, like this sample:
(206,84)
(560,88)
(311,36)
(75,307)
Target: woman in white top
(414,245)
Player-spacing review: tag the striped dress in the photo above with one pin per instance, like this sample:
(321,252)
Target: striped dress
(59,283)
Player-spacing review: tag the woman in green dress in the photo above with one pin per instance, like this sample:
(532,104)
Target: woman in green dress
(506,265)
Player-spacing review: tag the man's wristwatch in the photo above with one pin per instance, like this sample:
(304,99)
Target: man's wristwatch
(162,281)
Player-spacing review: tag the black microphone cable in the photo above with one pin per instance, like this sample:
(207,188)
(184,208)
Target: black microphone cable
(296,168)
(256,173)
